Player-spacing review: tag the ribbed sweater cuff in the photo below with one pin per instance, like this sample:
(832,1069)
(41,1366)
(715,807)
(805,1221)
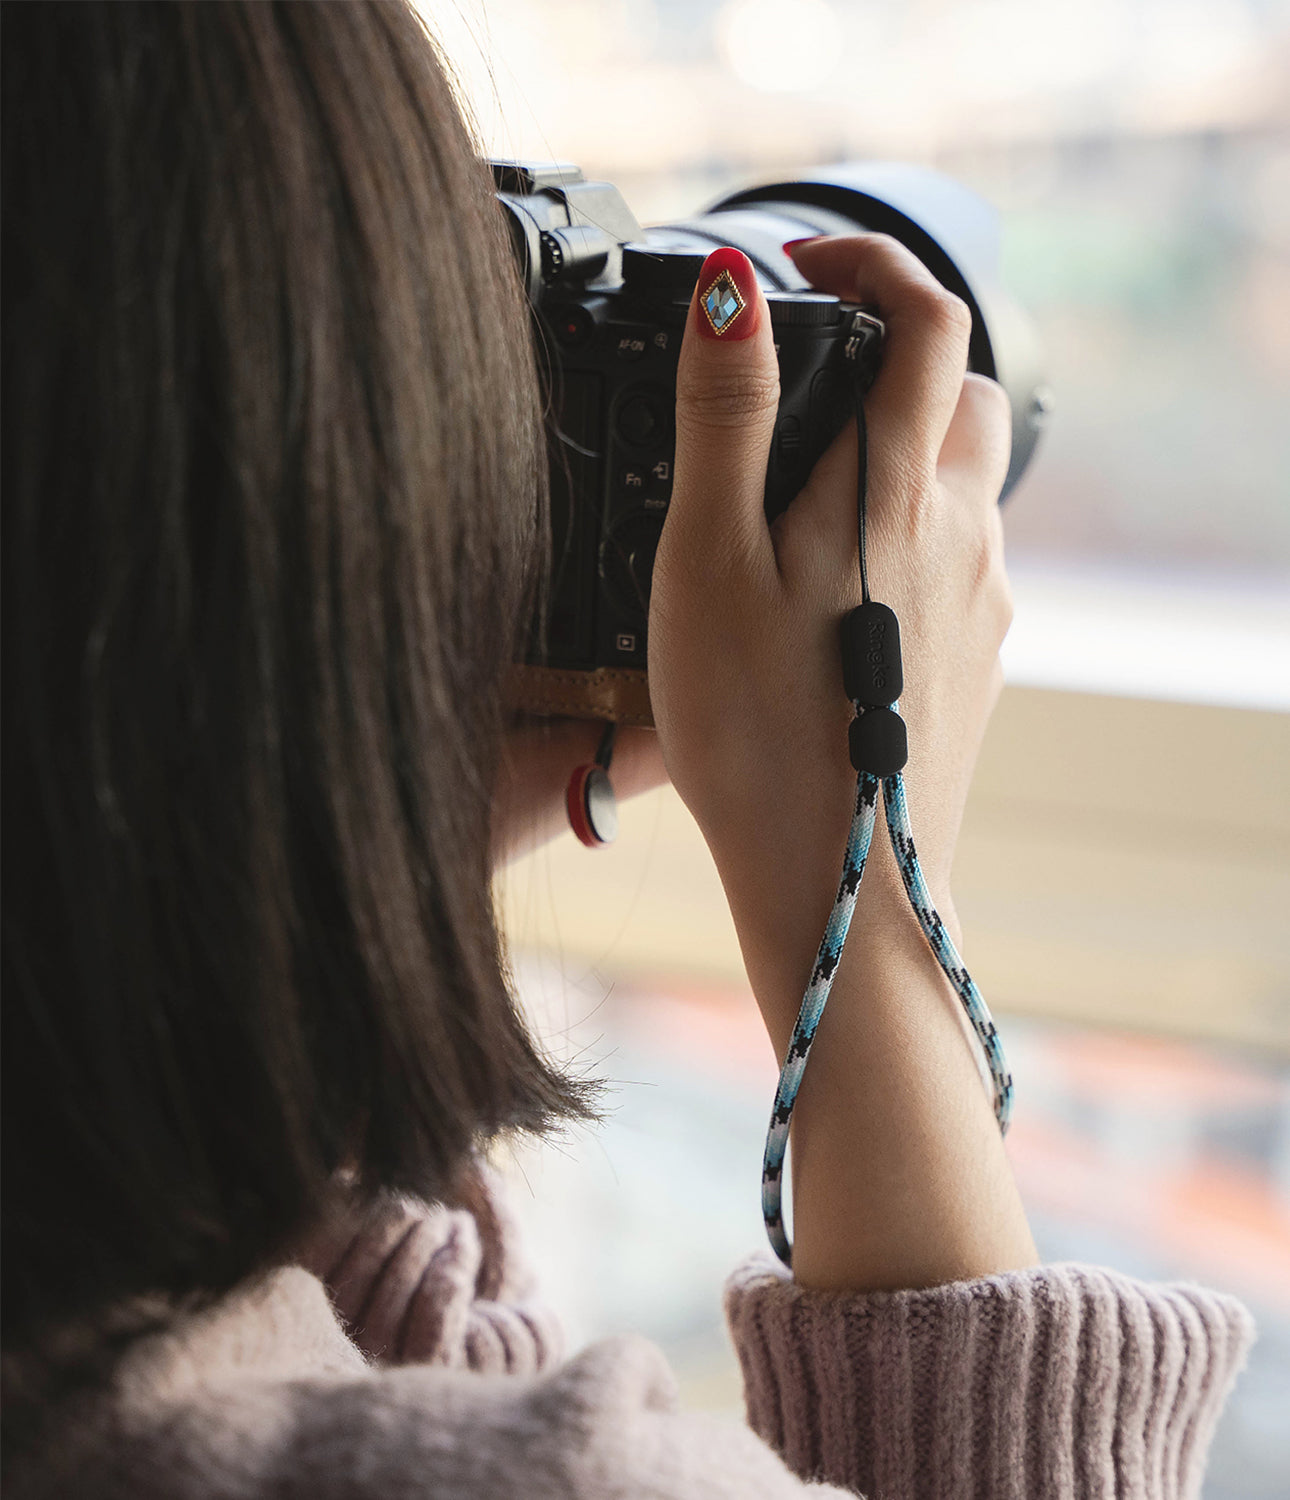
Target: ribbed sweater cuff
(1065,1381)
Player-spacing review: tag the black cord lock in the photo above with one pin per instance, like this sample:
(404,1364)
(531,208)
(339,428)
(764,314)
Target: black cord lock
(872,675)
(871,669)
(878,742)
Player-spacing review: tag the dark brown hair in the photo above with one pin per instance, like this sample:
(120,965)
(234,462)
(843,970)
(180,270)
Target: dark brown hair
(272,503)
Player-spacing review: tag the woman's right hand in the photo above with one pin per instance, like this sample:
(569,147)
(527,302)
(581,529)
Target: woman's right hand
(745,667)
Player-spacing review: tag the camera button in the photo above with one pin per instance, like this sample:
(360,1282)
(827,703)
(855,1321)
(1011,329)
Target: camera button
(627,564)
(649,483)
(631,344)
(643,420)
(574,326)
(787,449)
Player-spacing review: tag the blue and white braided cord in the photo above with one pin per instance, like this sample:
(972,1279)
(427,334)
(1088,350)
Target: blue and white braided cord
(826,963)
(942,945)
(808,1017)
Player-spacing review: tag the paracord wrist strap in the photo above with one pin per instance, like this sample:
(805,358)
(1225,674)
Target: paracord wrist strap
(871,666)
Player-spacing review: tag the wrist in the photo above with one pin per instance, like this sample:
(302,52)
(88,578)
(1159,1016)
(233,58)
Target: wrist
(900,1176)
(780,928)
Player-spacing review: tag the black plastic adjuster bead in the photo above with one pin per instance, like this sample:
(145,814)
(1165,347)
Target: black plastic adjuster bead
(871,667)
(878,742)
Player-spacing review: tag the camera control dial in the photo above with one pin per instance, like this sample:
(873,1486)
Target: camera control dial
(662,273)
(803,309)
(627,562)
(644,419)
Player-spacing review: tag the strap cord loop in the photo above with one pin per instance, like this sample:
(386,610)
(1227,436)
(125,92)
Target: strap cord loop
(873,681)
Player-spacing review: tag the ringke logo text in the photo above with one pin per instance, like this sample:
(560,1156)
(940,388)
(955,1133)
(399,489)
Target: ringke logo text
(875,655)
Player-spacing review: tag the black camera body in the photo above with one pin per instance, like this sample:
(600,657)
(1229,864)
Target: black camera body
(610,303)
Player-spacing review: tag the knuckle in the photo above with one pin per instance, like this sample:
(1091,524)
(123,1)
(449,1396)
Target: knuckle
(1005,609)
(977,448)
(1004,605)
(989,393)
(923,511)
(921,498)
(880,246)
(727,398)
(990,578)
(879,253)
(947,314)
(1000,605)
(983,563)
(990,403)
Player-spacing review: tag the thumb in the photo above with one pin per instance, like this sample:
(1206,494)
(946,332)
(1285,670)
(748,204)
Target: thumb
(727,396)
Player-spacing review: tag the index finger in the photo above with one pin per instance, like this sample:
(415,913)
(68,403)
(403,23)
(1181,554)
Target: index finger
(924,357)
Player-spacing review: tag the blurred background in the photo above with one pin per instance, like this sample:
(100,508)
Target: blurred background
(1124,871)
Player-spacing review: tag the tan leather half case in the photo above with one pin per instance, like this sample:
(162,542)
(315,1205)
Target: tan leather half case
(612,693)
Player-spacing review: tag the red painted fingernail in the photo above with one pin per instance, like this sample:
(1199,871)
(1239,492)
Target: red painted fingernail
(791,245)
(728,299)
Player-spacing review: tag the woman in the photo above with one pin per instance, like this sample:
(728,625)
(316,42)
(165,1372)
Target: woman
(273,482)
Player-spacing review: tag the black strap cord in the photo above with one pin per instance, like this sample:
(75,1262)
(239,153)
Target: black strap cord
(862,485)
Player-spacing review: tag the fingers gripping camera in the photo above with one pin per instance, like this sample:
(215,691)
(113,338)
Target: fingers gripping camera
(610,302)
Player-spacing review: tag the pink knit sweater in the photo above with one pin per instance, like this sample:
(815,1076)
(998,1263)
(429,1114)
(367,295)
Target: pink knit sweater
(411,1360)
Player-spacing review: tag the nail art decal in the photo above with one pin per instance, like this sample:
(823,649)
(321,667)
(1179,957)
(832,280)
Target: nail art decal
(722,303)
(728,298)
